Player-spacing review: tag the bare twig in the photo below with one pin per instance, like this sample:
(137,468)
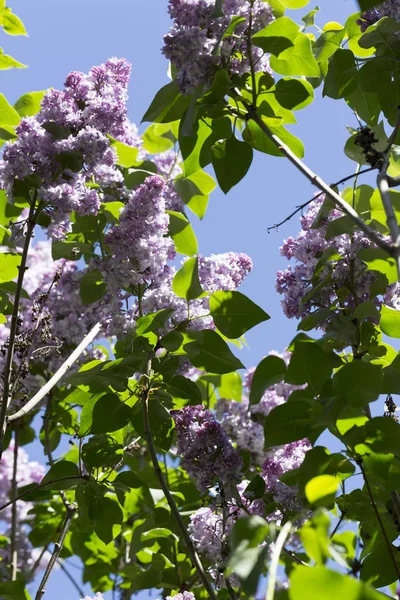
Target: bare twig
(301,206)
(56,552)
(38,487)
(174,509)
(57,376)
(14,512)
(380,522)
(6,399)
(320,183)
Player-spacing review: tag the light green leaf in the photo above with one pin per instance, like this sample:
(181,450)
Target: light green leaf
(8,62)
(9,264)
(195,190)
(127,155)
(28,105)
(186,283)
(182,233)
(321,490)
(13,24)
(390,321)
(297,60)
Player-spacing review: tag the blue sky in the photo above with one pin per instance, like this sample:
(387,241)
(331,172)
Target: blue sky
(75,35)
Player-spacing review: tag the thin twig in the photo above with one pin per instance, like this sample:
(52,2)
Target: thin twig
(338,524)
(171,502)
(279,544)
(56,552)
(301,206)
(38,487)
(320,183)
(57,376)
(5,401)
(37,562)
(293,556)
(378,517)
(14,512)
(71,578)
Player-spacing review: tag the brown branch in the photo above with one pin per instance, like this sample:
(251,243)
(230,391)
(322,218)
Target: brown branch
(6,399)
(14,512)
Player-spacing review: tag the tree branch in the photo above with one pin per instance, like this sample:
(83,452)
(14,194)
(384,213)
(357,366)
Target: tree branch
(380,522)
(38,487)
(171,502)
(319,183)
(57,376)
(14,512)
(6,399)
(56,552)
(279,544)
(301,206)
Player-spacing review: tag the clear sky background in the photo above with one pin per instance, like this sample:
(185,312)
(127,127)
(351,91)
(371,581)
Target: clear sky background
(75,35)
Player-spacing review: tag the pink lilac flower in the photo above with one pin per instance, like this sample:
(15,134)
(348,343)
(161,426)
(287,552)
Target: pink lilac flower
(197,33)
(207,455)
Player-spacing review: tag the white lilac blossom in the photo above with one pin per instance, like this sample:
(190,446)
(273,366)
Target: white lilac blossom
(390,8)
(182,596)
(207,454)
(192,42)
(65,147)
(346,278)
(27,472)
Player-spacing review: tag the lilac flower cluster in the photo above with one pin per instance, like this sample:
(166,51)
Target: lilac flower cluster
(195,44)
(216,272)
(27,472)
(65,147)
(389,8)
(97,596)
(207,454)
(182,596)
(346,278)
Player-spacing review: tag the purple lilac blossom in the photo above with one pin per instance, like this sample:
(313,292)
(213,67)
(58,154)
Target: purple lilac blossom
(216,272)
(168,166)
(207,454)
(345,274)
(390,8)
(191,42)
(27,472)
(90,107)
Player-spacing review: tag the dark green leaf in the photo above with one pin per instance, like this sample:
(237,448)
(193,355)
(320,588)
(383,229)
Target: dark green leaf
(107,516)
(234,313)
(269,371)
(182,233)
(168,105)
(13,590)
(110,414)
(341,79)
(231,160)
(209,352)
(294,94)
(63,470)
(92,287)
(309,364)
(291,421)
(101,451)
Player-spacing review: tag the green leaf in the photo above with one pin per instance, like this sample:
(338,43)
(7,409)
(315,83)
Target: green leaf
(109,414)
(254,136)
(297,60)
(9,264)
(13,24)
(9,117)
(380,434)
(376,74)
(294,94)
(256,489)
(8,62)
(183,391)
(92,287)
(195,190)
(276,37)
(153,321)
(327,44)
(341,79)
(247,558)
(101,451)
(269,371)
(65,470)
(13,590)
(209,352)
(321,490)
(186,283)
(182,233)
(291,421)
(70,250)
(366,104)
(309,364)
(127,155)
(70,160)
(390,321)
(168,105)
(294,3)
(160,137)
(28,105)
(319,582)
(318,461)
(234,313)
(107,516)
(378,260)
(358,383)
(161,423)
(231,160)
